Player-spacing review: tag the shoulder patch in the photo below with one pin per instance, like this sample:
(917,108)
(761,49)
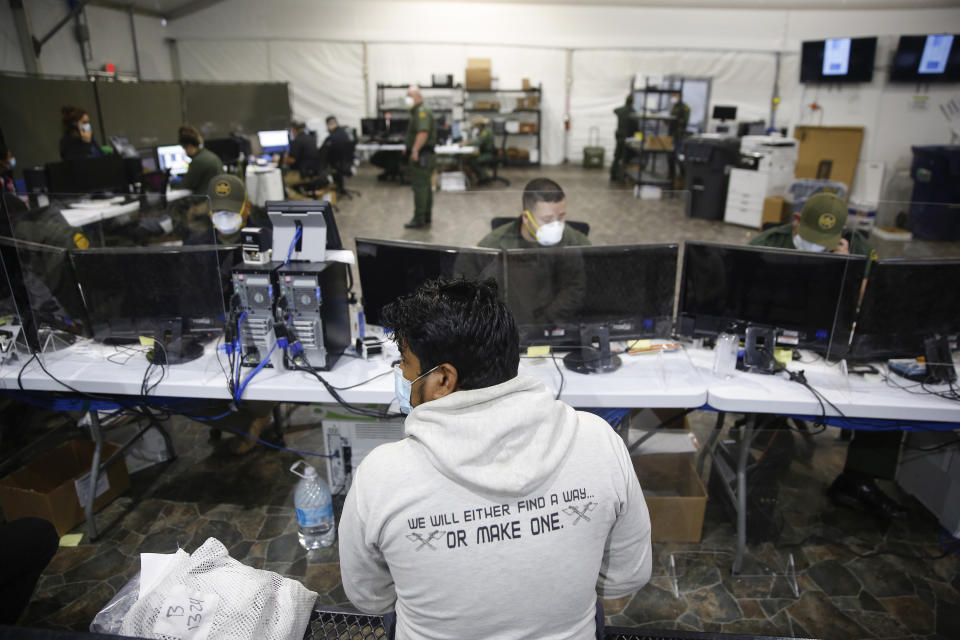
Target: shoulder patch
(873,254)
(423,114)
(81,241)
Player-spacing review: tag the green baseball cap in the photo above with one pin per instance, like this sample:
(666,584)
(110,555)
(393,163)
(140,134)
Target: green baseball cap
(226,193)
(822,220)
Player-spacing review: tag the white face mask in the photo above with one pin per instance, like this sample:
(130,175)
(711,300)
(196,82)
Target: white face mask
(85,127)
(806,245)
(550,233)
(227,222)
(13,162)
(403,387)
(409,102)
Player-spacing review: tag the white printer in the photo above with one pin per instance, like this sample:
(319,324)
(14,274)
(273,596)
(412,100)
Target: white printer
(765,169)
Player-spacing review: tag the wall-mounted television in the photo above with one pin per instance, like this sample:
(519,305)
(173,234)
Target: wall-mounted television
(838,60)
(930,58)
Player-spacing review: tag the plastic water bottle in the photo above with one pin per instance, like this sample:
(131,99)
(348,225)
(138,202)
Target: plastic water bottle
(316,527)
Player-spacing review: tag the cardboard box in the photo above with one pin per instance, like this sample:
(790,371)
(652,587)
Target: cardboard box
(776,210)
(478,73)
(47,487)
(676,498)
(528,127)
(525,84)
(659,143)
(828,153)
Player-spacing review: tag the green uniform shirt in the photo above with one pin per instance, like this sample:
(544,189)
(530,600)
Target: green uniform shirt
(421,119)
(626,124)
(484,142)
(678,127)
(781,237)
(204,167)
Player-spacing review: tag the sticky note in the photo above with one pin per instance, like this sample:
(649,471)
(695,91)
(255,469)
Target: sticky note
(783,356)
(640,344)
(538,352)
(146,341)
(71,539)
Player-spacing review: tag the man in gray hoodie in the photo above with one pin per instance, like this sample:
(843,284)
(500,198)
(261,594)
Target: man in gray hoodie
(503,512)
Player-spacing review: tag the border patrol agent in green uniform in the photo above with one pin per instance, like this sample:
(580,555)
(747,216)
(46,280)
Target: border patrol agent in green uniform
(680,113)
(626,126)
(818,227)
(421,138)
(486,150)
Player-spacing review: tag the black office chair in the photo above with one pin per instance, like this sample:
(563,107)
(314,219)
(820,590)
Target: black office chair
(340,158)
(582,227)
(499,128)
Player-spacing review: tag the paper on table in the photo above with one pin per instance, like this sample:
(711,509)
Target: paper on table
(153,567)
(71,539)
(340,255)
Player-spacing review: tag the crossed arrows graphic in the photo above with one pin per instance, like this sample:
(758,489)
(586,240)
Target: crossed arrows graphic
(581,515)
(424,542)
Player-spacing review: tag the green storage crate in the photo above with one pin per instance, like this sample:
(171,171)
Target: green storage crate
(593,153)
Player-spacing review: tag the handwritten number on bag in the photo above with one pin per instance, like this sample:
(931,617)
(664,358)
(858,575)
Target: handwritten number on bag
(174,611)
(194,621)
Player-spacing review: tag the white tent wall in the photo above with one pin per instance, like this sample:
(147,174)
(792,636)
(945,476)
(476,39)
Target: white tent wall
(405,63)
(601,81)
(111,40)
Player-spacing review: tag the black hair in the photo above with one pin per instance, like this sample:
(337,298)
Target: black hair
(460,322)
(69,117)
(332,119)
(541,190)
(188,135)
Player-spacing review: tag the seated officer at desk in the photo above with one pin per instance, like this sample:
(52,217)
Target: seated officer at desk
(469,527)
(819,227)
(301,160)
(204,164)
(77,141)
(486,150)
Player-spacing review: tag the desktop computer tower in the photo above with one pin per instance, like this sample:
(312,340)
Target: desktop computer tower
(255,290)
(314,303)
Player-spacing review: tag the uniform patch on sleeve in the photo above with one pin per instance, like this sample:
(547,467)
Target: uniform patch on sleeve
(423,115)
(81,241)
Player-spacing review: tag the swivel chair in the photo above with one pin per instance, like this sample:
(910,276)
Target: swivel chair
(499,129)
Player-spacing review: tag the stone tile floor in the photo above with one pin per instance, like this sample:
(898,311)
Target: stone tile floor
(847,590)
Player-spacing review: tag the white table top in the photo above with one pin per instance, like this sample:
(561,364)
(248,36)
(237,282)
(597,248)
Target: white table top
(178,194)
(667,380)
(83,214)
(443,150)
(856,396)
(380,146)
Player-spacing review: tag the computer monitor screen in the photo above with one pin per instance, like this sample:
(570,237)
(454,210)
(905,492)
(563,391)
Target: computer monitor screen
(629,289)
(390,269)
(174,158)
(724,113)
(838,60)
(931,58)
(905,302)
(372,126)
(148,159)
(274,141)
(398,125)
(150,291)
(724,287)
(107,174)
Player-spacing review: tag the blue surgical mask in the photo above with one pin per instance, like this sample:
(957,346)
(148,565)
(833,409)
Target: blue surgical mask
(403,387)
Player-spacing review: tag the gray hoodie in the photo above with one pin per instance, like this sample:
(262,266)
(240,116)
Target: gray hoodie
(502,514)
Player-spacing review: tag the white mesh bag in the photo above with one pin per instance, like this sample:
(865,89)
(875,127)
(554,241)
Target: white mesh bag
(249,603)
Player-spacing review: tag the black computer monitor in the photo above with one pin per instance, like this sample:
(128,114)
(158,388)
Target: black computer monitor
(392,268)
(906,302)
(838,60)
(626,289)
(106,174)
(148,158)
(930,58)
(723,288)
(173,294)
(724,113)
(398,125)
(370,127)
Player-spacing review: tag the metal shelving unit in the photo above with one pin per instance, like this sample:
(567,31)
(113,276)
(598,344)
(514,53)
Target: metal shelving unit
(456,93)
(505,136)
(652,124)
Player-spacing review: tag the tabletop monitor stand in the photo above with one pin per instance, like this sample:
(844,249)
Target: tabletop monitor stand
(588,358)
(758,350)
(54,339)
(174,348)
(939,360)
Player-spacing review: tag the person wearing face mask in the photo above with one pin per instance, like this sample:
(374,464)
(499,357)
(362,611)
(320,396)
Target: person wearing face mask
(819,228)
(77,141)
(680,114)
(482,139)
(420,141)
(204,164)
(477,538)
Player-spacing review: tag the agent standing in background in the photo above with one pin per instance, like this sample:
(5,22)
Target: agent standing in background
(680,113)
(626,125)
(421,138)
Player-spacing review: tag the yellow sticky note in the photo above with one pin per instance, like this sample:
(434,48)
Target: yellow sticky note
(146,341)
(638,344)
(538,352)
(71,539)
(783,356)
